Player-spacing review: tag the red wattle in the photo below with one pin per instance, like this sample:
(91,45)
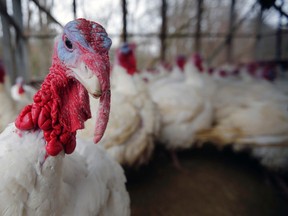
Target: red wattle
(181,61)
(127,60)
(44,121)
(21,89)
(54,147)
(2,72)
(24,120)
(59,97)
(70,144)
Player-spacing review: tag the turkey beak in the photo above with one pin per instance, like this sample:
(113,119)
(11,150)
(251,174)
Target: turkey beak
(88,78)
(97,83)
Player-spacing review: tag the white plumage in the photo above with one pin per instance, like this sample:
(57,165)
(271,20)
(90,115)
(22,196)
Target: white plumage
(184,108)
(133,121)
(22,94)
(37,177)
(87,182)
(251,114)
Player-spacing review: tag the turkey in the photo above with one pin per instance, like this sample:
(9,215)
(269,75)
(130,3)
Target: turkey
(40,175)
(195,72)
(167,75)
(134,121)
(164,73)
(251,114)
(21,93)
(184,110)
(8,112)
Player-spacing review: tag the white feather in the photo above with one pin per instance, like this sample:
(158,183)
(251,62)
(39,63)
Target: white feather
(184,108)
(86,182)
(133,121)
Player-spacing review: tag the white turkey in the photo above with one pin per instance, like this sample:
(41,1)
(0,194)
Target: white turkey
(252,113)
(184,109)
(166,74)
(39,173)
(134,120)
(21,93)
(161,70)
(8,111)
(198,75)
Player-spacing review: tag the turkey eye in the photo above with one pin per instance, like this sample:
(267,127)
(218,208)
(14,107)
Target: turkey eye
(68,44)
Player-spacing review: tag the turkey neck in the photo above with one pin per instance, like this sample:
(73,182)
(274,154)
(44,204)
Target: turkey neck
(48,183)
(60,108)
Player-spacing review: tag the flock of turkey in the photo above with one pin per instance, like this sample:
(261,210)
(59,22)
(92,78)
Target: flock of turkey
(189,105)
(179,107)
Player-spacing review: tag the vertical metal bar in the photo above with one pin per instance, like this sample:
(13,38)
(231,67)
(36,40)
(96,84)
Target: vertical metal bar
(198,26)
(163,30)
(6,43)
(21,53)
(229,43)
(124,13)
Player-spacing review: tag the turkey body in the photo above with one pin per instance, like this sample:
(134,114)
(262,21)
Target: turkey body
(183,107)
(39,173)
(87,182)
(252,115)
(24,98)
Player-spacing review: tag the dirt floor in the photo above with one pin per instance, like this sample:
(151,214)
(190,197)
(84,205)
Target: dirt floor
(215,183)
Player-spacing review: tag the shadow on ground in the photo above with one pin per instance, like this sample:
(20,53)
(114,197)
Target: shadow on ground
(218,183)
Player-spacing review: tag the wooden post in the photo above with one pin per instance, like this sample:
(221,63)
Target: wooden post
(229,52)
(163,30)
(219,48)
(124,13)
(74,9)
(198,26)
(21,53)
(278,52)
(258,32)
(42,8)
(7,48)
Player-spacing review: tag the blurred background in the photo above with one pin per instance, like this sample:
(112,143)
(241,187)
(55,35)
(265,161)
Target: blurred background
(235,176)
(221,31)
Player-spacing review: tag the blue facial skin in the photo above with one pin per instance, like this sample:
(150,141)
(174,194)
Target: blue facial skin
(107,42)
(125,49)
(74,35)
